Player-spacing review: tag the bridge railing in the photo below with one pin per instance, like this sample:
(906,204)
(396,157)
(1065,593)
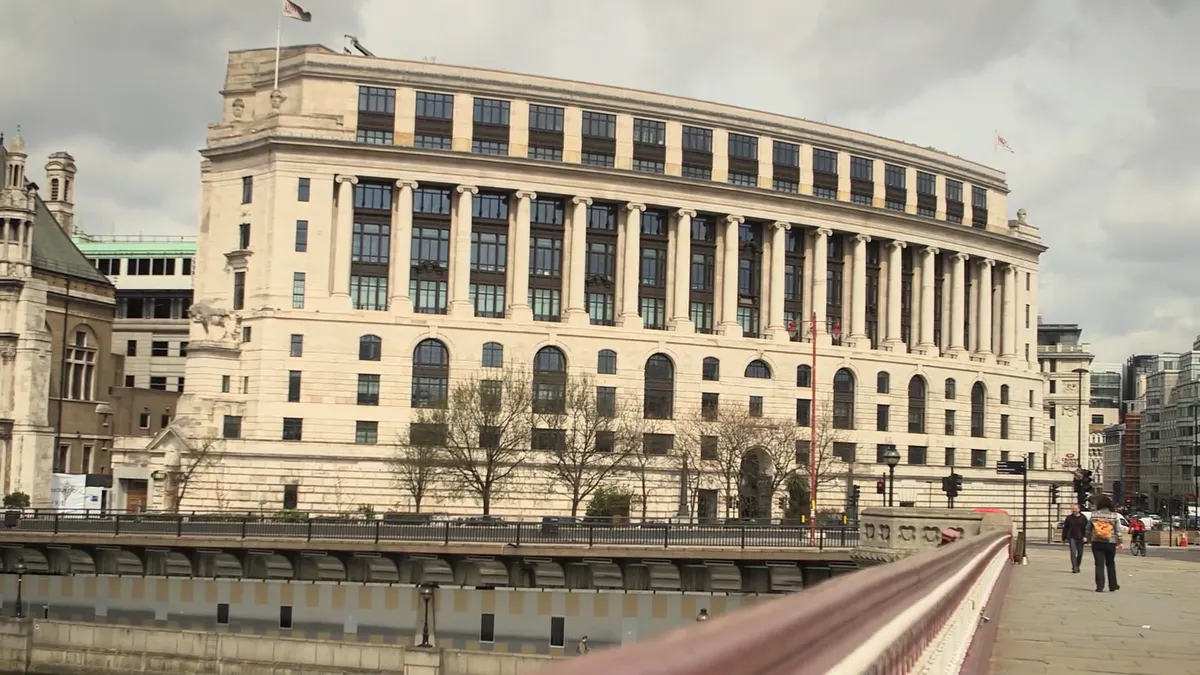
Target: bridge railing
(242,527)
(919,615)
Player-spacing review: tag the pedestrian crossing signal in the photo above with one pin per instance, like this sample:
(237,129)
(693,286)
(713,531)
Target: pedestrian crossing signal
(879,487)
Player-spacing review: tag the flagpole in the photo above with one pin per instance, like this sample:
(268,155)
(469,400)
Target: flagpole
(278,44)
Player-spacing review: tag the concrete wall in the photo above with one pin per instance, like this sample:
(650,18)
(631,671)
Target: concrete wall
(63,648)
(368,613)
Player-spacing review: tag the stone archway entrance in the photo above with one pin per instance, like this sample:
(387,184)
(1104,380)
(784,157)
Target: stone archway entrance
(754,485)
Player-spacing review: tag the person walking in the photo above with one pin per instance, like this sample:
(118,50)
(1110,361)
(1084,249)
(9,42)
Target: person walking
(1104,531)
(1073,532)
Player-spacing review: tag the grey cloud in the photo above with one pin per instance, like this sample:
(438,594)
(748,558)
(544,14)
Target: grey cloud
(1097,97)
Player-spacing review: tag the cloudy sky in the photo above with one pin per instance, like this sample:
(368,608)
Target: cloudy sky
(1099,98)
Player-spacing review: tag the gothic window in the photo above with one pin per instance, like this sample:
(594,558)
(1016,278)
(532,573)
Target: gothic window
(431,374)
(659,388)
(81,367)
(916,405)
(549,381)
(843,399)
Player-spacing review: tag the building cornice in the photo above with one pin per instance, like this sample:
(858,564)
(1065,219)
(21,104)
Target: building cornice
(622,185)
(554,91)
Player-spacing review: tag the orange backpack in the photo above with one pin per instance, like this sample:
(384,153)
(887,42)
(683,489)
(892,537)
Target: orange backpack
(1102,528)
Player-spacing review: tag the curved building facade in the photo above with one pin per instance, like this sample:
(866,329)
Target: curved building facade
(376,230)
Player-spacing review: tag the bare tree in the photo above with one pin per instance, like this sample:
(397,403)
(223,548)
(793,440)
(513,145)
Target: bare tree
(582,449)
(630,433)
(724,436)
(196,457)
(821,454)
(418,468)
(220,488)
(687,459)
(483,430)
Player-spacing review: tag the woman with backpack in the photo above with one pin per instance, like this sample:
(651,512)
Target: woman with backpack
(1104,531)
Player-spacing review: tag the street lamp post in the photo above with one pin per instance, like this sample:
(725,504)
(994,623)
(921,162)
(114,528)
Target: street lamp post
(703,615)
(1079,415)
(20,569)
(892,457)
(427,597)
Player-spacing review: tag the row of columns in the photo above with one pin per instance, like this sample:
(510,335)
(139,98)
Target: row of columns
(957,302)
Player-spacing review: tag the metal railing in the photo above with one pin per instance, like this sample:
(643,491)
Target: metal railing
(464,531)
(919,615)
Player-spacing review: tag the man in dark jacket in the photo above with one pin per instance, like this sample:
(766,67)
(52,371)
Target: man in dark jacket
(1074,533)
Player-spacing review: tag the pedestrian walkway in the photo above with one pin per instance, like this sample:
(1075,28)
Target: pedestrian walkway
(1055,623)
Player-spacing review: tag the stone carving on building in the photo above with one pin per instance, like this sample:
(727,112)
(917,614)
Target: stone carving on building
(239,107)
(218,323)
(277,99)
(1021,215)
(7,354)
(1069,386)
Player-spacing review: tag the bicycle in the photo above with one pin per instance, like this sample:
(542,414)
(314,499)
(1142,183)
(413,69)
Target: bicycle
(1139,546)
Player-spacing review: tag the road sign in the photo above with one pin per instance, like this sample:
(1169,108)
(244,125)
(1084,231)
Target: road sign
(1011,468)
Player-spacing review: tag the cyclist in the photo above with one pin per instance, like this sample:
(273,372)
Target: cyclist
(1137,530)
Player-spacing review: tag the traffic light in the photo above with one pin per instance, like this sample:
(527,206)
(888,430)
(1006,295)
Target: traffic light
(1053,494)
(880,487)
(1085,483)
(854,492)
(957,483)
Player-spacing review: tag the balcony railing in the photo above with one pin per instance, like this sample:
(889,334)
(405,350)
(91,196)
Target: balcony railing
(919,615)
(1063,349)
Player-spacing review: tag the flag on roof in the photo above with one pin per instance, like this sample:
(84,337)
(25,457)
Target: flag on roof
(291,9)
(1001,143)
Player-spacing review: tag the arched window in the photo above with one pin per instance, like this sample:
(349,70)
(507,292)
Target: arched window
(916,405)
(370,348)
(978,409)
(431,374)
(843,399)
(53,189)
(81,367)
(804,376)
(493,355)
(883,382)
(950,389)
(659,388)
(758,370)
(1004,394)
(712,369)
(549,381)
(606,362)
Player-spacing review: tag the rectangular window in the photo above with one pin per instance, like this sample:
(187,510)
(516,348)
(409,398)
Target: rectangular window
(231,426)
(375,137)
(648,166)
(949,422)
(158,382)
(247,189)
(803,412)
(781,185)
(488,300)
(824,192)
(435,106)
(917,455)
(649,132)
(301,236)
(160,348)
(482,147)
(710,406)
(430,142)
(742,146)
(654,312)
(294,379)
(597,159)
(487,628)
(130,381)
(296,348)
(545,118)
(366,433)
(894,176)
(545,154)
(862,169)
(293,429)
(1004,426)
(979,197)
(491,111)
(368,292)
(599,125)
(131,347)
(291,497)
(926,183)
(222,614)
(697,139)
(606,402)
(824,161)
(377,100)
(298,290)
(882,415)
(702,316)
(558,632)
(601,308)
(953,190)
(225,382)
(370,243)
(695,172)
(979,458)
(709,447)
(786,154)
(303,185)
(239,290)
(756,406)
(744,179)
(949,459)
(243,236)
(368,389)
(285,617)
(546,304)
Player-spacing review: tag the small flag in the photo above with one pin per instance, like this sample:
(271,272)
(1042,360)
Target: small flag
(1001,143)
(291,9)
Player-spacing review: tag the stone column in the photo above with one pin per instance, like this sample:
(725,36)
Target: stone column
(776,326)
(958,301)
(984,331)
(928,265)
(400,259)
(343,237)
(895,341)
(682,289)
(631,246)
(858,292)
(518,238)
(1008,314)
(460,254)
(820,270)
(729,277)
(576,306)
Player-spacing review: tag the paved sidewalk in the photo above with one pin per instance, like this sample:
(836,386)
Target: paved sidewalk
(1055,623)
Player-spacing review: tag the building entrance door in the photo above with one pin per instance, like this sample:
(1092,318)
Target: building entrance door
(136,497)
